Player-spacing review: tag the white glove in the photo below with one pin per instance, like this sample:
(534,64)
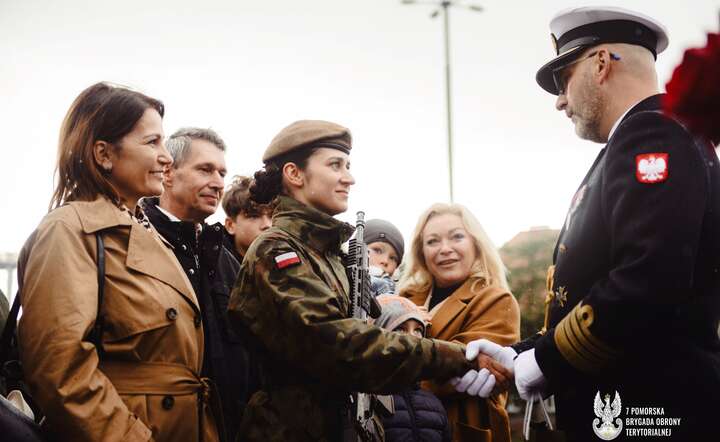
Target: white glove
(475,383)
(504,355)
(529,379)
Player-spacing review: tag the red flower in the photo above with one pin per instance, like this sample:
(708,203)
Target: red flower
(693,92)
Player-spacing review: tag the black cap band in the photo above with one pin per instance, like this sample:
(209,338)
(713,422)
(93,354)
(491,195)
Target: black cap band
(329,144)
(611,31)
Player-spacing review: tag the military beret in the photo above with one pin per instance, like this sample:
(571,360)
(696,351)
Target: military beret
(378,230)
(576,29)
(309,133)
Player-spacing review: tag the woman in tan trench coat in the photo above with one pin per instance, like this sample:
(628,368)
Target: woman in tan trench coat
(145,384)
(456,273)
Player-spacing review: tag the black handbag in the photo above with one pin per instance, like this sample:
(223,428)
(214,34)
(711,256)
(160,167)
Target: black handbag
(14,425)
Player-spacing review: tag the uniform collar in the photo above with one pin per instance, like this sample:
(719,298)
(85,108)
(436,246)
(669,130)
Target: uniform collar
(617,122)
(320,230)
(652,102)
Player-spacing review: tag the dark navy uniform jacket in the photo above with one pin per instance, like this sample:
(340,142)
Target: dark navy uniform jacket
(635,296)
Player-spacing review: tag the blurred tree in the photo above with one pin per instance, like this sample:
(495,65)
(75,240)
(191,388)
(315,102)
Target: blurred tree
(527,257)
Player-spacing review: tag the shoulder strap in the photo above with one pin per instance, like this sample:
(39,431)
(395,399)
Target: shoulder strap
(95,335)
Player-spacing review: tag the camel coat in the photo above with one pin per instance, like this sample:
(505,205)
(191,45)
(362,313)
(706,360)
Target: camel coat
(146,385)
(472,312)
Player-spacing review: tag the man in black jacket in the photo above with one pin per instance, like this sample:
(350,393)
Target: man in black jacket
(631,346)
(193,190)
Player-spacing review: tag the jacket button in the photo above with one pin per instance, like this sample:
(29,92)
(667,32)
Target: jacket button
(168,402)
(562,248)
(171,314)
(216,247)
(211,273)
(197,321)
(217,228)
(184,247)
(191,271)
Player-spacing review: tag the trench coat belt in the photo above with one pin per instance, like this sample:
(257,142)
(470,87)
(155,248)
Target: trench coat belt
(162,378)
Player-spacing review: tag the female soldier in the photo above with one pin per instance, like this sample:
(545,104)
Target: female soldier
(291,299)
(143,384)
(455,272)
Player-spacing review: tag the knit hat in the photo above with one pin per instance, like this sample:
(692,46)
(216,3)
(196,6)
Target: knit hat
(396,310)
(378,230)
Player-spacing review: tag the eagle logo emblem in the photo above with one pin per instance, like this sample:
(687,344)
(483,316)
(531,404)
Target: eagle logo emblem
(607,411)
(652,168)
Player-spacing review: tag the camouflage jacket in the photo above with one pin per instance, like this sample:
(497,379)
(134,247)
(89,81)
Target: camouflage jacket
(291,300)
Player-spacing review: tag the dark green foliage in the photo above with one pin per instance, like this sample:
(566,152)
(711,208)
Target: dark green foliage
(527,257)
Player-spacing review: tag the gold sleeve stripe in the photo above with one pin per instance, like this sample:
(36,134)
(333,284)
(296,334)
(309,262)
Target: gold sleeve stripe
(578,345)
(571,353)
(585,316)
(575,336)
(575,328)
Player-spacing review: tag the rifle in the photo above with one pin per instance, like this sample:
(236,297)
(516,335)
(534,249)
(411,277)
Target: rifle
(357,267)
(363,304)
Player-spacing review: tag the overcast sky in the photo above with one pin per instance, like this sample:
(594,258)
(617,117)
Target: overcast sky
(249,68)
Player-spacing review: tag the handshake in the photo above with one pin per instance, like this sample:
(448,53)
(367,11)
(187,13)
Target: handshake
(497,366)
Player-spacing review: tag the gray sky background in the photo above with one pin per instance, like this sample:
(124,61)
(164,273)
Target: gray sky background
(249,68)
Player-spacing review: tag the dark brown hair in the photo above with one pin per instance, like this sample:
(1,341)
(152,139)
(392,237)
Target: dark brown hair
(102,112)
(237,199)
(268,181)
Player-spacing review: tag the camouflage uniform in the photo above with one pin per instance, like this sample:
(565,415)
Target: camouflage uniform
(314,355)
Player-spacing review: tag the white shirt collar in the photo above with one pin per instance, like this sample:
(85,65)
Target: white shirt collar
(617,122)
(172,217)
(175,219)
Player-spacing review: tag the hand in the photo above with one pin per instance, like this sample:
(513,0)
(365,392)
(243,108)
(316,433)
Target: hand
(493,377)
(502,375)
(504,355)
(475,383)
(529,379)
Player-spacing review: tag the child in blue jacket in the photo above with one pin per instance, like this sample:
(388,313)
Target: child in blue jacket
(419,414)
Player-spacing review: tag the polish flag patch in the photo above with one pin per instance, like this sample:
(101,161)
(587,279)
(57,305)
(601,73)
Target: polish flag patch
(286,260)
(652,168)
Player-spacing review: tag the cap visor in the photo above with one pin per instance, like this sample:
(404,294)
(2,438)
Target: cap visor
(544,76)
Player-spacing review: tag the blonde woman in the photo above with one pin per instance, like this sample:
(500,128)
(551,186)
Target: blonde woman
(455,272)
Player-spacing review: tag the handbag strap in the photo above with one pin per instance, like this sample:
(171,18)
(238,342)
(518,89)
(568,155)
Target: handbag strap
(528,414)
(95,335)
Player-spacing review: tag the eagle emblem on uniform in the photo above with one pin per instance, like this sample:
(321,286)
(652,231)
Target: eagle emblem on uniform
(607,411)
(652,167)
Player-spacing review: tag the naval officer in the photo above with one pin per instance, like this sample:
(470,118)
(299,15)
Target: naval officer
(633,301)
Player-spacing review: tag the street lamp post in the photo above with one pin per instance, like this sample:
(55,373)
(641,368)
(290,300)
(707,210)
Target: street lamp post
(443,6)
